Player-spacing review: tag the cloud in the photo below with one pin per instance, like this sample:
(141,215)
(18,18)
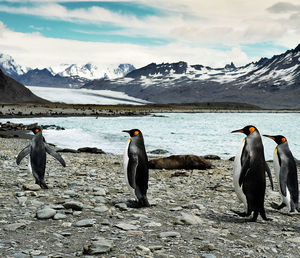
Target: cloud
(203,22)
(193,27)
(39,51)
(63,1)
(283,7)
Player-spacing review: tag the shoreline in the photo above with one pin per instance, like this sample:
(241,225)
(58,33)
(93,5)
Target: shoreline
(72,110)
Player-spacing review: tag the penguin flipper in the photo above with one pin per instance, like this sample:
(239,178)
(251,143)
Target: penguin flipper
(245,162)
(23,153)
(269,175)
(55,155)
(131,169)
(276,206)
(244,171)
(283,177)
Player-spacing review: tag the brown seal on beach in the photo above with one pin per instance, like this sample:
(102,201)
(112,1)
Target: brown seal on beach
(180,162)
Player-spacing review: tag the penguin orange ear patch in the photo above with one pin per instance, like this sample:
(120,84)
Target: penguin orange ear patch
(36,130)
(283,139)
(251,129)
(136,133)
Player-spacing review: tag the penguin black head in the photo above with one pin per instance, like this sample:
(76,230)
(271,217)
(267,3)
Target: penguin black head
(36,130)
(133,132)
(279,139)
(249,129)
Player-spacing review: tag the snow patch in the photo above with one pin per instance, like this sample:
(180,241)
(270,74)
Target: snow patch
(85,96)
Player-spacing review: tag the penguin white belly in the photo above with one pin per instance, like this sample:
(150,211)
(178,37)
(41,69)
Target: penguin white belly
(29,165)
(285,199)
(125,165)
(236,175)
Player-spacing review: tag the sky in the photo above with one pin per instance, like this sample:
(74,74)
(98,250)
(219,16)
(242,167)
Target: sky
(43,33)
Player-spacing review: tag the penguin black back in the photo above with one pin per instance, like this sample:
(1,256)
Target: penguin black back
(37,150)
(136,166)
(251,177)
(286,173)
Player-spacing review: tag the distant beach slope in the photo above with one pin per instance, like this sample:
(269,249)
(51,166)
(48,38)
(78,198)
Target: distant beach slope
(12,92)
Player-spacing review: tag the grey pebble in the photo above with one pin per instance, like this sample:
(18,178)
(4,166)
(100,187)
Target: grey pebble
(169,234)
(189,219)
(14,226)
(45,213)
(98,246)
(101,209)
(59,216)
(20,255)
(85,223)
(105,222)
(208,256)
(74,205)
(122,206)
(126,226)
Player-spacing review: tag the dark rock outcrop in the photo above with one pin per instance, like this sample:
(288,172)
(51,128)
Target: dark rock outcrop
(12,92)
(180,162)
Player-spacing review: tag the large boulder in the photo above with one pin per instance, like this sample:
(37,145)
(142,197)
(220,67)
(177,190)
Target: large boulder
(180,162)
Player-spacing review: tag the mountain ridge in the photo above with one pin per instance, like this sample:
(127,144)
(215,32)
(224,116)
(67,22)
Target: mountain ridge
(270,82)
(65,75)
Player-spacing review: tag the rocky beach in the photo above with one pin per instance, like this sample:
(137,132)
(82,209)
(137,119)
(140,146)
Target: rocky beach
(67,110)
(85,213)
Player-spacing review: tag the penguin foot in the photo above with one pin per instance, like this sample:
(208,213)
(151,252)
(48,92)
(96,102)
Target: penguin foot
(276,206)
(42,184)
(262,214)
(133,204)
(144,202)
(241,214)
(253,219)
(137,204)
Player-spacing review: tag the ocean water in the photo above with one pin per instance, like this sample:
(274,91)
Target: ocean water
(178,133)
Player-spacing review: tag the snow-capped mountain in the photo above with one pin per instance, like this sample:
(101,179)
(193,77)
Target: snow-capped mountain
(91,71)
(270,82)
(65,75)
(10,67)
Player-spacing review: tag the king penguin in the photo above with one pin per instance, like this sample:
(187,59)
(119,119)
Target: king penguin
(286,173)
(37,150)
(249,177)
(136,166)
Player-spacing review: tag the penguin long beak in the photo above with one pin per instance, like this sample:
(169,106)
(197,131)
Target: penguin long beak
(238,131)
(126,131)
(269,136)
